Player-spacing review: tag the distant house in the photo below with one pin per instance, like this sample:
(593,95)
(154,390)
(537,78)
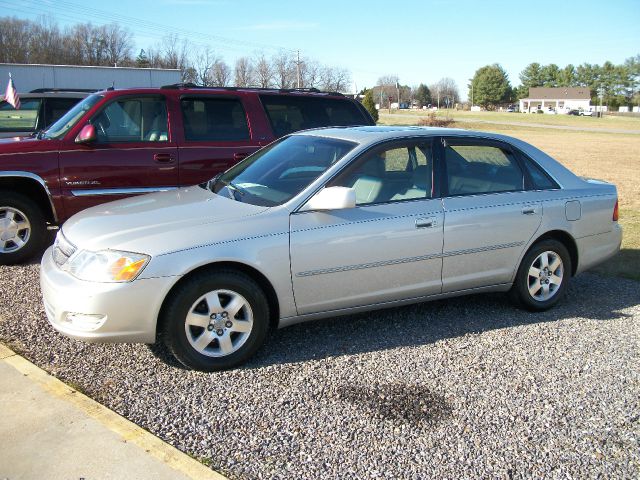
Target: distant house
(562,99)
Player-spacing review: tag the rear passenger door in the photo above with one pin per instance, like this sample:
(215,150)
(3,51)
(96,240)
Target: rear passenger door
(216,136)
(489,214)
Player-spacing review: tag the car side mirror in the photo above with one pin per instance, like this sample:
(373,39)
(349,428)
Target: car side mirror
(331,198)
(87,134)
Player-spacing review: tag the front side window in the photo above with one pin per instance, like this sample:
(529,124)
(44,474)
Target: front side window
(60,128)
(23,120)
(142,119)
(391,174)
(54,108)
(214,119)
(277,173)
(476,169)
(289,114)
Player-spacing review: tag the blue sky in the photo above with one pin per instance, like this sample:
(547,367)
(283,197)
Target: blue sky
(420,41)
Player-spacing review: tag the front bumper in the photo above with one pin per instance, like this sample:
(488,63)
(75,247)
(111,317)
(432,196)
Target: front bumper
(102,312)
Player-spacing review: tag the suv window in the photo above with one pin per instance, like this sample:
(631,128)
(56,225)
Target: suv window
(54,108)
(138,119)
(391,174)
(473,169)
(289,114)
(214,119)
(24,119)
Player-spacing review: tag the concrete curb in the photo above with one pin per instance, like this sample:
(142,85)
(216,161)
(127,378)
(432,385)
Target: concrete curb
(127,430)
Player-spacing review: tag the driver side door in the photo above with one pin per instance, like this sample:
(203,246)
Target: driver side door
(132,154)
(386,248)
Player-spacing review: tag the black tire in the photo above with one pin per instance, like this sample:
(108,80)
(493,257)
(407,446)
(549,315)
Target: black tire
(520,293)
(21,208)
(174,332)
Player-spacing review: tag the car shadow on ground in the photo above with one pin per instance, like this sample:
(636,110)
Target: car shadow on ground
(590,296)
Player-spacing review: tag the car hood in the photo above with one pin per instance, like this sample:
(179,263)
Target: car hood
(157,223)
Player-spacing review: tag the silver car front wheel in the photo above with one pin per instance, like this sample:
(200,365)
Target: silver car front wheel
(219,323)
(215,319)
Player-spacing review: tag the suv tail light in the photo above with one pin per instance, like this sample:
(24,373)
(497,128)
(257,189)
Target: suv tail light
(615,212)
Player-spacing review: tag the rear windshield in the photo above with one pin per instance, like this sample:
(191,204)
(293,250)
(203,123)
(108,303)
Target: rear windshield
(23,120)
(289,114)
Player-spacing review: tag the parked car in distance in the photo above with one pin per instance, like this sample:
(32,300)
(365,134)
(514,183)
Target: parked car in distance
(585,113)
(118,143)
(573,112)
(38,109)
(323,223)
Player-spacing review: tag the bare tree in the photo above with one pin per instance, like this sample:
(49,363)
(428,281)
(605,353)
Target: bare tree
(203,65)
(263,72)
(15,37)
(243,72)
(220,74)
(284,70)
(118,44)
(311,74)
(445,92)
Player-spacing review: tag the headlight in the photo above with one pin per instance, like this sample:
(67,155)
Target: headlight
(106,265)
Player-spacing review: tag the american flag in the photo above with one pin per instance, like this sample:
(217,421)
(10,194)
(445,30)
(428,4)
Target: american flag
(11,96)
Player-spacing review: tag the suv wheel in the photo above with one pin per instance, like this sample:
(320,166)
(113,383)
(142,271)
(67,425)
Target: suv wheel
(215,320)
(543,276)
(22,228)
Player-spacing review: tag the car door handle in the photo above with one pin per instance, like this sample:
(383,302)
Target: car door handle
(426,222)
(163,157)
(239,156)
(529,210)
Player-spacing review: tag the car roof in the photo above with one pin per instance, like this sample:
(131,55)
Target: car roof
(373,134)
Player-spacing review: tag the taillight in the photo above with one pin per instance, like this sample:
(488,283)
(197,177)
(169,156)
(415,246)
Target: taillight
(615,212)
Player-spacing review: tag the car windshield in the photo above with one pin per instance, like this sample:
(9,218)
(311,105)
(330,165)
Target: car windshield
(277,173)
(69,119)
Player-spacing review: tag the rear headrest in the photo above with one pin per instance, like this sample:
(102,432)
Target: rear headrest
(374,166)
(421,177)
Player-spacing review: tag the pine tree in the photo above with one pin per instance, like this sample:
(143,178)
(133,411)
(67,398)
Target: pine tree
(370,104)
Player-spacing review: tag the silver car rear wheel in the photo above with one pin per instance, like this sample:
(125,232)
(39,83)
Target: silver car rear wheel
(219,323)
(545,276)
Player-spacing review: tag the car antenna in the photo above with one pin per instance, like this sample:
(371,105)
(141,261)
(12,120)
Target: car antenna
(112,87)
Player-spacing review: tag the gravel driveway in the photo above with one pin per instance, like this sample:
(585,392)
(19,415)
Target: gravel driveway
(459,388)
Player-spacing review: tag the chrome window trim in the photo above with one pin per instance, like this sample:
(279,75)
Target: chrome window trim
(37,178)
(119,191)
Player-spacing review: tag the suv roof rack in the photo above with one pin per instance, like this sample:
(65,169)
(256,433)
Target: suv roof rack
(70,90)
(176,86)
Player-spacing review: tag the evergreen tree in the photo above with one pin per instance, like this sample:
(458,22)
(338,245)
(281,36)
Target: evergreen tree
(141,60)
(490,86)
(370,104)
(423,95)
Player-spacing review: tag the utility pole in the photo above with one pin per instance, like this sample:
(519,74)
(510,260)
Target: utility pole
(298,67)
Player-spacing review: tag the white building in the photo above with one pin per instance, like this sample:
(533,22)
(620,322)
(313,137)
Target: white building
(560,100)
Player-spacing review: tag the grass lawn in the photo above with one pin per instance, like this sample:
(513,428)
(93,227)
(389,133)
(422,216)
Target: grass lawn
(603,155)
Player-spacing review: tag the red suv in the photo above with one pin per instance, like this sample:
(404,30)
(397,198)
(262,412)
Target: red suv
(118,143)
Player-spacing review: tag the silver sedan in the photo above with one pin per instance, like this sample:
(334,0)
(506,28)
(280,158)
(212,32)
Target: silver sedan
(323,223)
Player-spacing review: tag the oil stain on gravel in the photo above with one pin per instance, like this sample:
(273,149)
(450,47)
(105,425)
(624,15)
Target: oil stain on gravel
(411,404)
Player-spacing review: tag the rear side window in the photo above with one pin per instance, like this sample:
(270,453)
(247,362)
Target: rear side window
(475,169)
(214,119)
(541,181)
(23,120)
(289,114)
